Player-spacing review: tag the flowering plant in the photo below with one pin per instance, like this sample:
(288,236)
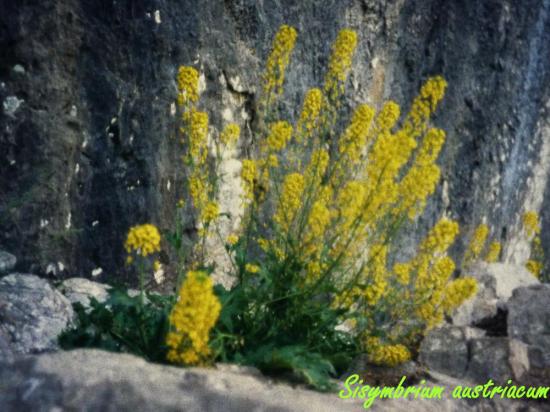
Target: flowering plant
(315,274)
(315,280)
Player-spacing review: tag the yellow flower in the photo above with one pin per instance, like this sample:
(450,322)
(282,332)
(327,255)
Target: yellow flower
(210,212)
(143,239)
(423,106)
(181,203)
(477,243)
(350,202)
(188,85)
(232,239)
(278,60)
(230,134)
(531,223)
(493,253)
(198,136)
(422,178)
(354,140)
(387,355)
(534,267)
(191,320)
(249,174)
(310,113)
(376,274)
(290,201)
(198,189)
(249,267)
(402,272)
(340,61)
(440,237)
(457,292)
(279,135)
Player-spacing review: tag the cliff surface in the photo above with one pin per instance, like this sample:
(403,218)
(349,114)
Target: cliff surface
(87,90)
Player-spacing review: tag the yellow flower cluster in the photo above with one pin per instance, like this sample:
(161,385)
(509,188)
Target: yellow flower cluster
(384,354)
(290,201)
(278,60)
(317,222)
(230,134)
(232,239)
(440,237)
(422,178)
(198,190)
(279,135)
(188,85)
(251,268)
(423,106)
(531,226)
(493,252)
(531,223)
(210,212)
(143,239)
(249,174)
(376,274)
(340,62)
(354,140)
(310,113)
(535,267)
(193,316)
(198,136)
(388,154)
(457,292)
(477,244)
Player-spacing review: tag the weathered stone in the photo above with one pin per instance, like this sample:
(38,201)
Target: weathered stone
(489,360)
(81,290)
(496,281)
(93,380)
(529,321)
(445,350)
(529,314)
(32,314)
(7,262)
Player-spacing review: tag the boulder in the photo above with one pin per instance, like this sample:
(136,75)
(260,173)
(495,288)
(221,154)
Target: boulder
(529,317)
(32,315)
(529,322)
(445,349)
(81,290)
(496,282)
(94,380)
(7,262)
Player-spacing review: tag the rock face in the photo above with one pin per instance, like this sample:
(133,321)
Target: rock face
(86,130)
(32,314)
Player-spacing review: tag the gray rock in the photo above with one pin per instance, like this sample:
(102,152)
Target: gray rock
(7,262)
(529,321)
(93,380)
(100,381)
(32,314)
(489,360)
(445,349)
(81,290)
(496,282)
